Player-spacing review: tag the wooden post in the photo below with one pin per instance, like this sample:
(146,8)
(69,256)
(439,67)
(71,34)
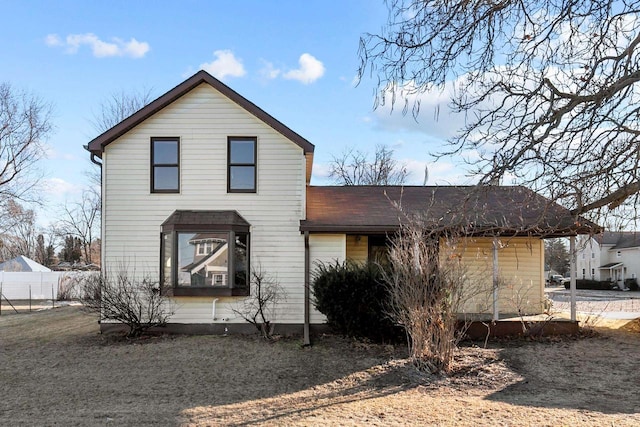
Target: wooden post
(572,286)
(496,309)
(29,297)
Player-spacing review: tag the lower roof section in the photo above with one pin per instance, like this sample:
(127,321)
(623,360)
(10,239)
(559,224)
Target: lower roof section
(478,210)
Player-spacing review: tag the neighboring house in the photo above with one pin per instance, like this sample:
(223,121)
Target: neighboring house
(23,264)
(201,186)
(612,255)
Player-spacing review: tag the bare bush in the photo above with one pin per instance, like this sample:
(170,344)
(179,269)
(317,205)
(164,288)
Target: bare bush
(139,303)
(427,291)
(258,309)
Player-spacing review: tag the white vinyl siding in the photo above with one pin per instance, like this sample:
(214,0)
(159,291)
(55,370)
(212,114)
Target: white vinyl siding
(203,119)
(327,249)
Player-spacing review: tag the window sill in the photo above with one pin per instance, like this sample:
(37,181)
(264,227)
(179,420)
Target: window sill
(210,291)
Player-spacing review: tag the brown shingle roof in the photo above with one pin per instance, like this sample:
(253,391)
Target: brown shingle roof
(487,210)
(203,219)
(96,146)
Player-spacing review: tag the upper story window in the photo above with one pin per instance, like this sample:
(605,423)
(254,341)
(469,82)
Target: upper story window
(241,164)
(165,165)
(618,254)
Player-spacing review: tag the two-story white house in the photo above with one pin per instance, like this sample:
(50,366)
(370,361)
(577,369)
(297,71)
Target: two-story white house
(201,186)
(612,255)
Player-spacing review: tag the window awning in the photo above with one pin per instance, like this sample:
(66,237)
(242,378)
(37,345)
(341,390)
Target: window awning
(198,220)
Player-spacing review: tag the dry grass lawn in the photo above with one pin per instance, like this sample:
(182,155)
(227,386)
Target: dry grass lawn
(55,369)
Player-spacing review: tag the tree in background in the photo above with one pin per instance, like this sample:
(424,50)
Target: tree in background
(556,256)
(112,111)
(71,251)
(548,90)
(24,125)
(19,232)
(44,253)
(356,168)
(81,220)
(117,107)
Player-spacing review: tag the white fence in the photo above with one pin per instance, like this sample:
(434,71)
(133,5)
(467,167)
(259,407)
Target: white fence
(35,285)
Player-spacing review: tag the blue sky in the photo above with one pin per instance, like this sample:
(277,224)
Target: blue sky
(295,59)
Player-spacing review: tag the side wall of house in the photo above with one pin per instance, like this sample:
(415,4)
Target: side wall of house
(630,257)
(203,119)
(521,272)
(326,249)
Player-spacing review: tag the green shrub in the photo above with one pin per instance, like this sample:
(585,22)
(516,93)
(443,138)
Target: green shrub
(353,297)
(632,284)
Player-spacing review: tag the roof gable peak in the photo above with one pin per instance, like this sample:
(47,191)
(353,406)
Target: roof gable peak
(97,145)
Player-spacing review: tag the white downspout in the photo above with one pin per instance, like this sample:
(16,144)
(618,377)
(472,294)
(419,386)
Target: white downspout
(213,309)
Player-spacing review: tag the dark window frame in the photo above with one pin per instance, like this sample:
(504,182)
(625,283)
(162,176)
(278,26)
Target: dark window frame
(231,289)
(154,165)
(230,139)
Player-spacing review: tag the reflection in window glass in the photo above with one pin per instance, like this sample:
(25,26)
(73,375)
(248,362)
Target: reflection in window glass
(165,152)
(167,248)
(204,267)
(240,260)
(242,177)
(165,178)
(242,151)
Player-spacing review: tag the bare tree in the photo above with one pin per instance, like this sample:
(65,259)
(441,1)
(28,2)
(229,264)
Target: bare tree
(355,168)
(19,232)
(82,220)
(118,106)
(548,89)
(258,308)
(24,124)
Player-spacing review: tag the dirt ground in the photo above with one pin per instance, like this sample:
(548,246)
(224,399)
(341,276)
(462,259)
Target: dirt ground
(56,369)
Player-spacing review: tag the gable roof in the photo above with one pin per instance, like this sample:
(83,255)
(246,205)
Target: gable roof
(96,146)
(22,263)
(505,210)
(619,239)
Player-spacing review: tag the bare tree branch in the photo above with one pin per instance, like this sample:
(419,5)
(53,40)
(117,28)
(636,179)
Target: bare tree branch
(24,125)
(549,90)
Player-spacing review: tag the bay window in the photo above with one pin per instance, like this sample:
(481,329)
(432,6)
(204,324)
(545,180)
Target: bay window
(205,253)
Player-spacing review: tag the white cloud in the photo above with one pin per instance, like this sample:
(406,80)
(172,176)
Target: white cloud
(52,40)
(320,174)
(58,187)
(225,64)
(100,49)
(269,71)
(310,70)
(434,118)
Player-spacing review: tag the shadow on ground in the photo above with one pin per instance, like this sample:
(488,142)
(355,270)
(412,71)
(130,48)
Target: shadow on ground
(600,373)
